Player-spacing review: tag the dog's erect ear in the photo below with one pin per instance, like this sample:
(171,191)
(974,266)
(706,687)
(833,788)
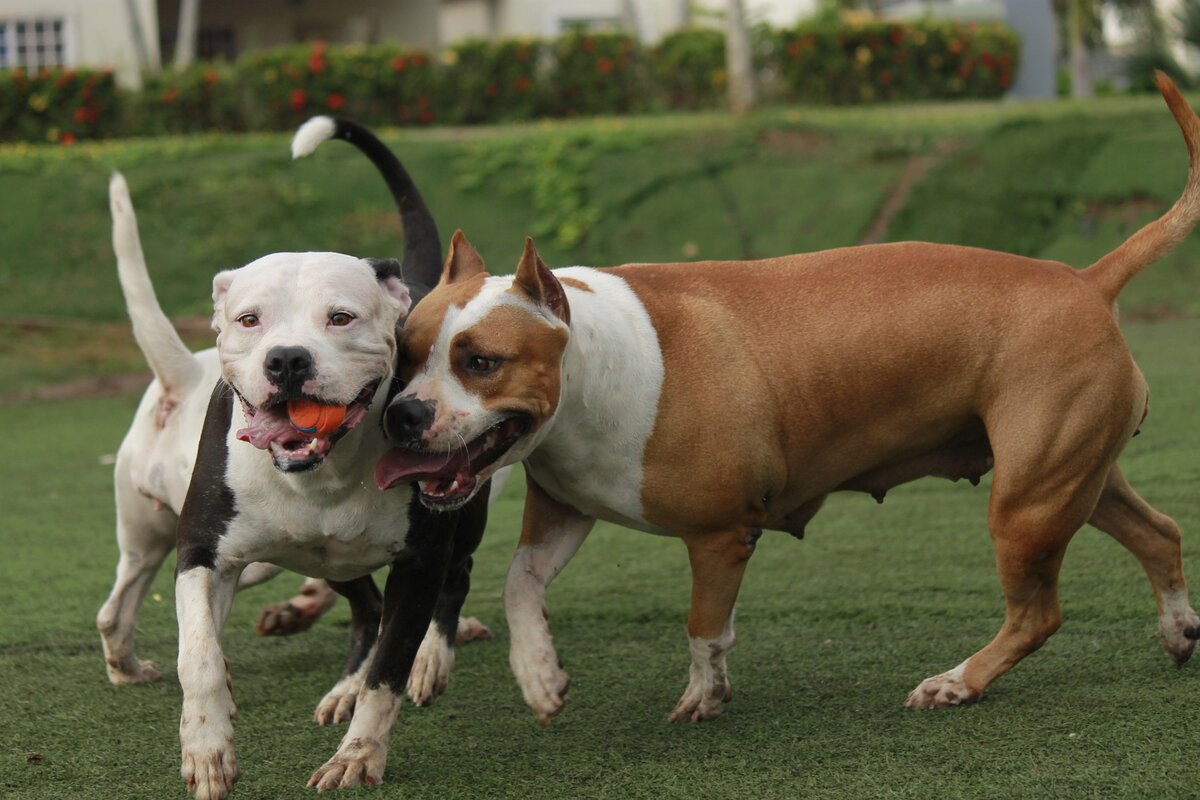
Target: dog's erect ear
(535,281)
(462,262)
(221,284)
(387,271)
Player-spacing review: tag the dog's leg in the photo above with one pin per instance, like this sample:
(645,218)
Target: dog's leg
(1154,539)
(417,577)
(718,564)
(298,614)
(203,597)
(551,533)
(145,537)
(435,658)
(366,607)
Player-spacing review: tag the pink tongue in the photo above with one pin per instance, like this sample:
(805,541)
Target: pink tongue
(266,428)
(404,465)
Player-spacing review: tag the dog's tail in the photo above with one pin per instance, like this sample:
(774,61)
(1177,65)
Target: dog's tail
(421,266)
(1156,239)
(173,364)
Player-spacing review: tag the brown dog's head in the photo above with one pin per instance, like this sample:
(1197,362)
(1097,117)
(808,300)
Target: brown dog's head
(481,356)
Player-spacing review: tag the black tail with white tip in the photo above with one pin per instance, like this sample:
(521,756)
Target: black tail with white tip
(421,265)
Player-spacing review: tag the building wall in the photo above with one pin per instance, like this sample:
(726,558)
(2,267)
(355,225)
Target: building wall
(263,24)
(98,32)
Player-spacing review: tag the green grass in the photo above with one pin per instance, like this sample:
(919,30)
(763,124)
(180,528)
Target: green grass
(834,631)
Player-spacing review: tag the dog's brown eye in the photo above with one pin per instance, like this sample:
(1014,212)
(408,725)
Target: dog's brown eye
(482,365)
(340,319)
(248,320)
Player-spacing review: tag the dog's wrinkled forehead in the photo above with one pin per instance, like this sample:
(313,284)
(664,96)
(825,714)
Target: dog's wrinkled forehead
(468,306)
(289,283)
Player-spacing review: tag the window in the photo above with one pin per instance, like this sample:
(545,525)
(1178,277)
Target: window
(33,43)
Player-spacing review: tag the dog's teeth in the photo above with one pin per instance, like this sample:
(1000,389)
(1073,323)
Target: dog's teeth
(313,443)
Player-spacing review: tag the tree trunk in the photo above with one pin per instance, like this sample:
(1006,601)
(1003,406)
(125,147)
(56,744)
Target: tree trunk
(185,37)
(139,40)
(1080,56)
(739,61)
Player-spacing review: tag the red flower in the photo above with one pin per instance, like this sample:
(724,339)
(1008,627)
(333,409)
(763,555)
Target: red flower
(795,49)
(604,65)
(1004,80)
(298,98)
(92,113)
(399,63)
(87,93)
(418,59)
(896,35)
(43,74)
(170,95)
(335,100)
(988,59)
(65,79)
(211,77)
(425,117)
(522,83)
(956,46)
(67,139)
(885,77)
(316,63)
(81,115)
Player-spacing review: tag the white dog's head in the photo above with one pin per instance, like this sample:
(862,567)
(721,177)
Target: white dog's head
(312,326)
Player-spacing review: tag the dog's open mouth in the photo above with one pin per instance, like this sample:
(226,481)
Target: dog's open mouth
(270,428)
(448,480)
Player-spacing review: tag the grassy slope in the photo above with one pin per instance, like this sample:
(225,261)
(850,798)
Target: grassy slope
(834,632)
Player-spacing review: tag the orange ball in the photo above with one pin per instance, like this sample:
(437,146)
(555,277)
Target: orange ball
(314,418)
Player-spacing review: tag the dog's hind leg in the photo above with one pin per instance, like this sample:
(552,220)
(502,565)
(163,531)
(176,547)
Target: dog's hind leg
(1154,539)
(366,610)
(298,614)
(718,563)
(145,535)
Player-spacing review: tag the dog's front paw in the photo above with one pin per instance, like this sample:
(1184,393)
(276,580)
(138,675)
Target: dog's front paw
(338,704)
(543,683)
(702,701)
(431,669)
(357,762)
(121,674)
(210,771)
(943,691)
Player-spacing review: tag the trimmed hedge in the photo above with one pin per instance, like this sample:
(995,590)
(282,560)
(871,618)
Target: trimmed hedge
(61,106)
(831,63)
(479,81)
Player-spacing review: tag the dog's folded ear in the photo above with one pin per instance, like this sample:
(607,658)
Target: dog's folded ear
(221,284)
(462,262)
(535,281)
(391,278)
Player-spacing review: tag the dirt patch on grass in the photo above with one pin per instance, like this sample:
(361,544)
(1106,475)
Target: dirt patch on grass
(915,170)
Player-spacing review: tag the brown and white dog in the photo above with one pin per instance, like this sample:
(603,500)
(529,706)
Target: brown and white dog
(853,369)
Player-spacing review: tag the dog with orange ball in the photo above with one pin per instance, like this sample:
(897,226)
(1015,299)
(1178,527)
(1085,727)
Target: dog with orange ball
(260,454)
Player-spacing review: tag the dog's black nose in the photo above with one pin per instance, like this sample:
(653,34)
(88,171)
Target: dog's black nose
(288,367)
(406,419)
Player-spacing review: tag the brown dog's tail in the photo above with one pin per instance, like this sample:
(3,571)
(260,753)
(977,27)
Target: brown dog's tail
(1156,239)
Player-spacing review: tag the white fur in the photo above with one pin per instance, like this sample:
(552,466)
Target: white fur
(431,668)
(708,677)
(362,755)
(338,703)
(946,689)
(311,134)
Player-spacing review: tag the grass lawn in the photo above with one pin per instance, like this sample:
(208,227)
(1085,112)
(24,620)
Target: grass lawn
(834,630)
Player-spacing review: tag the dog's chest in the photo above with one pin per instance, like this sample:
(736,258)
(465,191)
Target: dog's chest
(339,537)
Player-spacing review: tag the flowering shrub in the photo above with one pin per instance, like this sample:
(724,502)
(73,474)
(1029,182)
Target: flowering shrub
(689,68)
(205,97)
(596,73)
(61,105)
(489,81)
(382,85)
(824,60)
(929,59)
